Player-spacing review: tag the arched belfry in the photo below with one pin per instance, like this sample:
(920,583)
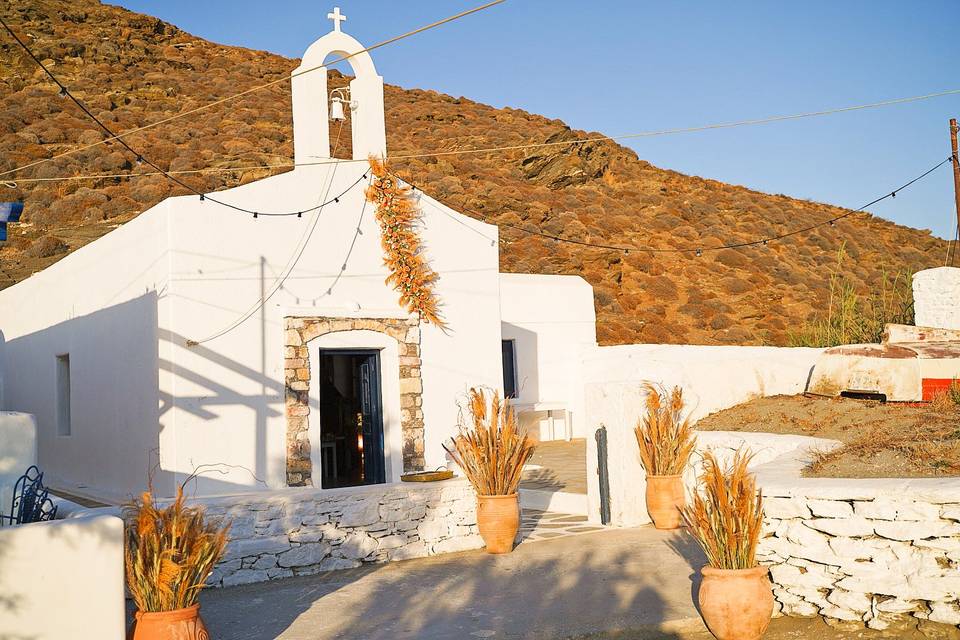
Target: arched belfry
(311,99)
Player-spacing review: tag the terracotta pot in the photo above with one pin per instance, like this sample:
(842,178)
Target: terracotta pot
(664,500)
(498,518)
(180,624)
(736,604)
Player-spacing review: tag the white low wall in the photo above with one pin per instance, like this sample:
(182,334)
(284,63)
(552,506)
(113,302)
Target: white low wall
(712,378)
(280,534)
(62,579)
(18,450)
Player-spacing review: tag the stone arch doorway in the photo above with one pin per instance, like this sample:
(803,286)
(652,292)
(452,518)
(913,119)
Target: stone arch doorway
(397,343)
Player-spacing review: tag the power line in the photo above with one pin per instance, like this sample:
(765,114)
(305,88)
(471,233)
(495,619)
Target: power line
(143,159)
(291,263)
(516,147)
(118,137)
(696,250)
(665,132)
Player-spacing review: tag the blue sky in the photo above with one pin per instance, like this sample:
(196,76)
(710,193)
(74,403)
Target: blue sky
(621,67)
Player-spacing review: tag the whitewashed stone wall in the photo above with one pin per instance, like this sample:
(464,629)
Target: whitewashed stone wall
(936,298)
(868,560)
(305,531)
(876,551)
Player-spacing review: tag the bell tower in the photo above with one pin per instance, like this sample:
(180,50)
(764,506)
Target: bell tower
(312,99)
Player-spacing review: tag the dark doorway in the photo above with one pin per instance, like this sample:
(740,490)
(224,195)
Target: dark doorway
(351,418)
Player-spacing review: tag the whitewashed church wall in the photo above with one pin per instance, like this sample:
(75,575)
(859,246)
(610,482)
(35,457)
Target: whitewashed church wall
(299,531)
(101,305)
(228,392)
(712,378)
(551,320)
(18,450)
(466,254)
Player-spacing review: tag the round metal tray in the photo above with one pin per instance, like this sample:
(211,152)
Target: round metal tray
(427,476)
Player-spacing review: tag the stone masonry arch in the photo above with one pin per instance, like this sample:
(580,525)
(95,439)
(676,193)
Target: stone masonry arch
(301,330)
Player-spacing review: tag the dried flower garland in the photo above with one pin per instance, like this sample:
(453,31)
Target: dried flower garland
(410,274)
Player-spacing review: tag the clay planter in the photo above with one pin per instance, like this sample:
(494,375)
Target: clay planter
(498,518)
(736,604)
(664,500)
(180,624)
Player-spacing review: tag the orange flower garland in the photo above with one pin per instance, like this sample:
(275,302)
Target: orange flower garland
(410,274)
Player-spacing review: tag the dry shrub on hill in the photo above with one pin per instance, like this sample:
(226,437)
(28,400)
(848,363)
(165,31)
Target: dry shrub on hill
(134,69)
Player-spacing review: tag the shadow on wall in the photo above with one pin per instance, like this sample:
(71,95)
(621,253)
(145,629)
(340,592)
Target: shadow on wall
(117,409)
(577,588)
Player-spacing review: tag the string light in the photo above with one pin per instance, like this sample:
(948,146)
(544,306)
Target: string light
(140,158)
(698,251)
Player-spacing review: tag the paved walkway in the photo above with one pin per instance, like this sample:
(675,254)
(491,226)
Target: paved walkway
(559,466)
(568,586)
(544,525)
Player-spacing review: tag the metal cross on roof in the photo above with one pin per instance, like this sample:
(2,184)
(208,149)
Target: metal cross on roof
(337,18)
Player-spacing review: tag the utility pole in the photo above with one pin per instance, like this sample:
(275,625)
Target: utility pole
(956,176)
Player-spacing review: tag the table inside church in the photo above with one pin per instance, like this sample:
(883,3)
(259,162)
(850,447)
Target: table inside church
(553,409)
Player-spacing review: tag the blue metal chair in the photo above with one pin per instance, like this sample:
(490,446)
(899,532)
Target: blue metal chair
(31,500)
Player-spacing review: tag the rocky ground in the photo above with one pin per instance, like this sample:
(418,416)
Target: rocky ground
(880,440)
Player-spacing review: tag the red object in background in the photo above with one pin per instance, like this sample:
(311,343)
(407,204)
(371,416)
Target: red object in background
(933,386)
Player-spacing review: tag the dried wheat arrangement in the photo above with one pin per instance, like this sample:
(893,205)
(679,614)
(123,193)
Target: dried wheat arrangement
(664,436)
(169,552)
(726,514)
(490,449)
(403,255)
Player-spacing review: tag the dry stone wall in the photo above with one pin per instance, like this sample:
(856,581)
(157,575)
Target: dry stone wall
(879,552)
(873,560)
(298,532)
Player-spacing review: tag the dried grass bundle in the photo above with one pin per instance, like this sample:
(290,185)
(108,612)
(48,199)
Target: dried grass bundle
(169,552)
(397,213)
(726,515)
(491,450)
(664,436)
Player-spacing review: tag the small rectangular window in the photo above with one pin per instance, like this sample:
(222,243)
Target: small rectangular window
(508,348)
(63,395)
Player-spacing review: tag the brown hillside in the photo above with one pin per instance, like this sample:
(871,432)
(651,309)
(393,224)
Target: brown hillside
(133,69)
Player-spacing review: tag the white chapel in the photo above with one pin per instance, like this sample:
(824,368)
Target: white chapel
(250,333)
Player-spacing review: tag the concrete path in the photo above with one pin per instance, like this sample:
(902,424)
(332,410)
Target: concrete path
(612,580)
